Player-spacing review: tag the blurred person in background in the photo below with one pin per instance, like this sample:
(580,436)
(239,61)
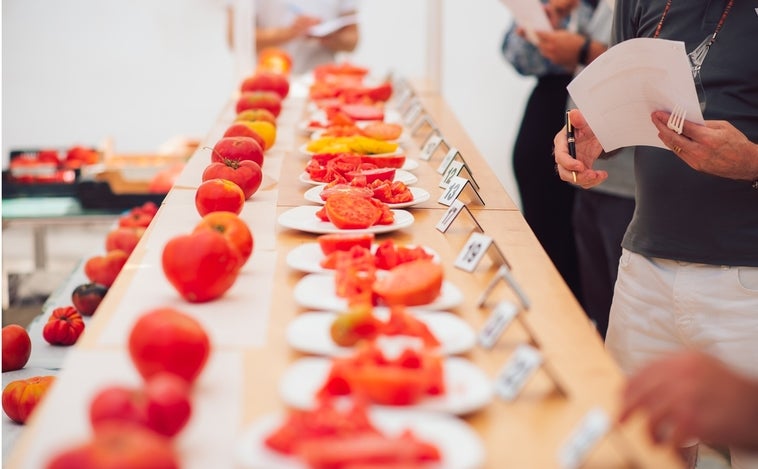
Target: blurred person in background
(286,24)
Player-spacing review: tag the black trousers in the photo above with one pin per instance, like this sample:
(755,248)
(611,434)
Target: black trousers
(547,201)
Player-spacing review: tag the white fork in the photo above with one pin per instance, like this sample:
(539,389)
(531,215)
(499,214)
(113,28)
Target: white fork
(676,119)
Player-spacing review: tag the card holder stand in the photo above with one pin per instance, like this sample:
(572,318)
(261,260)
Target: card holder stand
(458,168)
(451,214)
(431,144)
(459,185)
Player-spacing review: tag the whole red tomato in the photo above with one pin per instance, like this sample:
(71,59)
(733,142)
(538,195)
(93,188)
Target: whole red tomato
(123,238)
(167,340)
(64,326)
(219,195)
(162,405)
(17,347)
(22,396)
(246,174)
(267,81)
(119,445)
(237,149)
(201,266)
(87,297)
(135,220)
(234,229)
(105,269)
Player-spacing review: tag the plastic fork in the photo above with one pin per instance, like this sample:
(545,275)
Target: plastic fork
(676,119)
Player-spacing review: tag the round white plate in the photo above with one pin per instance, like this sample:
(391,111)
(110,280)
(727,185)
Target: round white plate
(459,445)
(304,218)
(419,196)
(467,387)
(307,258)
(317,291)
(309,332)
(400,175)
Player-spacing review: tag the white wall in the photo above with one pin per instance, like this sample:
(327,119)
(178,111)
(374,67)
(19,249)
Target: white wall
(143,71)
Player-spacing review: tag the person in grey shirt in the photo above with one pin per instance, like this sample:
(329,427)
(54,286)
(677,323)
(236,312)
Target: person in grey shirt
(688,276)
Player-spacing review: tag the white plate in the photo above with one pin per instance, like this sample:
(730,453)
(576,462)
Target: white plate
(308,256)
(304,218)
(316,291)
(409,164)
(467,387)
(309,332)
(400,175)
(459,444)
(419,196)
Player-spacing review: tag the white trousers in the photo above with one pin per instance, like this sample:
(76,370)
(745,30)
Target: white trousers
(661,306)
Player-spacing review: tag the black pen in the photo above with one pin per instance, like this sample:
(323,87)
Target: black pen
(571,141)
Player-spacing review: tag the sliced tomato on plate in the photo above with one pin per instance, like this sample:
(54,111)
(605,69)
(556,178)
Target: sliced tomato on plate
(344,241)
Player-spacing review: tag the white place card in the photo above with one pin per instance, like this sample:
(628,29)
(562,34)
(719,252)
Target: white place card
(449,157)
(593,426)
(501,317)
(454,169)
(473,251)
(413,113)
(425,119)
(430,146)
(514,375)
(450,214)
(504,274)
(452,192)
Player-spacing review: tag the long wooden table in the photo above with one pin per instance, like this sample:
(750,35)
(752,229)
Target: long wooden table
(242,385)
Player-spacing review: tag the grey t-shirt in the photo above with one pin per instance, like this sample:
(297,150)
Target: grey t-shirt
(681,213)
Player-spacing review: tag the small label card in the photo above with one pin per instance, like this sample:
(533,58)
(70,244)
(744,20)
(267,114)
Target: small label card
(456,188)
(449,157)
(473,251)
(425,119)
(453,170)
(585,436)
(431,145)
(404,98)
(514,375)
(452,213)
(504,274)
(500,318)
(413,113)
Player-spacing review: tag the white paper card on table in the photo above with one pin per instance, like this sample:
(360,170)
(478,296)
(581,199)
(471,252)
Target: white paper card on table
(454,169)
(585,436)
(502,315)
(453,190)
(530,15)
(449,157)
(328,27)
(450,214)
(514,375)
(619,90)
(473,251)
(431,145)
(404,96)
(425,119)
(413,114)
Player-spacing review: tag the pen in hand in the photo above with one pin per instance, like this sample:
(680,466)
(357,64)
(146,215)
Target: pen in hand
(571,141)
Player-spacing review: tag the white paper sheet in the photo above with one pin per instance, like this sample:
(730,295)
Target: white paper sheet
(619,91)
(529,14)
(216,401)
(328,27)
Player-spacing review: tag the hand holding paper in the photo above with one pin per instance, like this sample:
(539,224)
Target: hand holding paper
(619,91)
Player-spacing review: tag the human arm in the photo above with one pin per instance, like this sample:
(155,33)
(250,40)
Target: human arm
(562,47)
(343,40)
(716,148)
(692,395)
(273,36)
(588,149)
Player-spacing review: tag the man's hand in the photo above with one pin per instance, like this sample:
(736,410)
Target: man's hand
(587,151)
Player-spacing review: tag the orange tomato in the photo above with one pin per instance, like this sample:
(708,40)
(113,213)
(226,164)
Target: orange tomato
(22,396)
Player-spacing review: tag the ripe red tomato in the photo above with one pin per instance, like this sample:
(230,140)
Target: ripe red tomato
(123,238)
(119,445)
(234,229)
(64,326)
(267,81)
(201,266)
(17,347)
(243,129)
(344,241)
(167,340)
(267,100)
(247,174)
(219,195)
(237,149)
(162,405)
(105,269)
(349,212)
(87,297)
(22,396)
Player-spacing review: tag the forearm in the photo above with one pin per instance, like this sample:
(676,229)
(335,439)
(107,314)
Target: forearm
(343,40)
(272,37)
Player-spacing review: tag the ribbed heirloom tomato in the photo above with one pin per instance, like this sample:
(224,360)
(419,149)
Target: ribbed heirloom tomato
(233,228)
(64,326)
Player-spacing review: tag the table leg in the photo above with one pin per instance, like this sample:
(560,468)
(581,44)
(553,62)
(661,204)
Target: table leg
(40,247)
